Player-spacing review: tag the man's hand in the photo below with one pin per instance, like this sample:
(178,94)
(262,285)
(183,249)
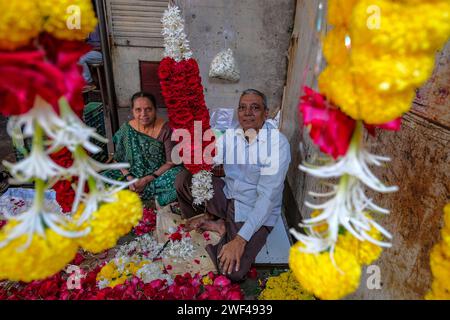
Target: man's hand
(231,254)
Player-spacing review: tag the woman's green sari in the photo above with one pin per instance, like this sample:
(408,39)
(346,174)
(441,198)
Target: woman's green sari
(145,155)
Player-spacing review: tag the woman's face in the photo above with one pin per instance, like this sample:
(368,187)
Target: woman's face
(144,111)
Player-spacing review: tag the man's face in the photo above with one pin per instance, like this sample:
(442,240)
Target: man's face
(251,112)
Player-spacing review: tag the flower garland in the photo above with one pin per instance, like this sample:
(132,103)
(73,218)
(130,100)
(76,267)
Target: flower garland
(369,82)
(284,287)
(40,91)
(181,87)
(440,263)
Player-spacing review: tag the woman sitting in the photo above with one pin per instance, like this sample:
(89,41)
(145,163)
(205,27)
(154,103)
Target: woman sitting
(145,143)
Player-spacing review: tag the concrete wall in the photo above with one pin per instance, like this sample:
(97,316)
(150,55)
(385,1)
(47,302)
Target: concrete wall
(257,30)
(420,166)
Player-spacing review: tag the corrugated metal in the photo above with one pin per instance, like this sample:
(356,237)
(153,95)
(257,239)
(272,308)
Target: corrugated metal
(136,23)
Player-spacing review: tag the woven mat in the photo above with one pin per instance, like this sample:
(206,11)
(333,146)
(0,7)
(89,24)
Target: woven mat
(200,261)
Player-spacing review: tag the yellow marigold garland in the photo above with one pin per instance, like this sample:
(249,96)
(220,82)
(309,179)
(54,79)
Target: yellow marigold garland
(373,70)
(112,221)
(19,23)
(44,256)
(284,287)
(317,273)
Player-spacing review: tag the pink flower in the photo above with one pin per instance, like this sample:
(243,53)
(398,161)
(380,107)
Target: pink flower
(330,128)
(393,125)
(222,281)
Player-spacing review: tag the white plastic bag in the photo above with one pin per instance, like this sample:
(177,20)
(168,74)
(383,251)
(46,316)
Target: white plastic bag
(224,67)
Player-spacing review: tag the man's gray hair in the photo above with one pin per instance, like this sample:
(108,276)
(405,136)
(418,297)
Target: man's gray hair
(258,93)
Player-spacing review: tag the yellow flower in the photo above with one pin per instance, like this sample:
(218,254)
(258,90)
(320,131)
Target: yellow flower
(207,281)
(334,48)
(438,292)
(340,12)
(68,19)
(108,271)
(440,266)
(322,228)
(44,256)
(284,287)
(364,251)
(361,102)
(112,221)
(19,23)
(317,273)
(390,72)
(408,27)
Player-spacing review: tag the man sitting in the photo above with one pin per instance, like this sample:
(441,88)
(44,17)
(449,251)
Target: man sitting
(247,202)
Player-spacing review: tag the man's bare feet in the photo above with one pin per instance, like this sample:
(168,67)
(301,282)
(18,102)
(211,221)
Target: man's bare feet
(195,222)
(217,226)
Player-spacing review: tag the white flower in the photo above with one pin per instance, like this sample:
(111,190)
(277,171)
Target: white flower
(202,187)
(152,271)
(175,40)
(36,165)
(348,205)
(74,133)
(34,221)
(224,66)
(183,249)
(145,246)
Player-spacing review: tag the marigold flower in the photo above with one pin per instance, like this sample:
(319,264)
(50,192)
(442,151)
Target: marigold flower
(365,252)
(112,221)
(68,19)
(318,274)
(46,255)
(20,22)
(284,287)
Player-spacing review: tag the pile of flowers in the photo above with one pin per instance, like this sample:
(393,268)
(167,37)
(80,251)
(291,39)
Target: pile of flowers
(180,244)
(284,287)
(147,223)
(40,90)
(181,87)
(373,70)
(440,263)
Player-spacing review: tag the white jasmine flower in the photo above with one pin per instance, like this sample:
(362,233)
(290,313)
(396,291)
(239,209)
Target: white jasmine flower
(175,40)
(347,205)
(202,188)
(224,66)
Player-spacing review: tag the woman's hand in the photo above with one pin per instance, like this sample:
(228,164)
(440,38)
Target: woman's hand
(140,185)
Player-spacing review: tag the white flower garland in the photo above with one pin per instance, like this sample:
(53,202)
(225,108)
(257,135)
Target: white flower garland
(348,205)
(175,39)
(202,187)
(50,133)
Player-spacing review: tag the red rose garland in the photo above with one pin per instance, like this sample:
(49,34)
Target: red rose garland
(182,90)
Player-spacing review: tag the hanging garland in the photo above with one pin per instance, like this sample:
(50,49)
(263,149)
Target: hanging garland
(182,89)
(41,92)
(374,67)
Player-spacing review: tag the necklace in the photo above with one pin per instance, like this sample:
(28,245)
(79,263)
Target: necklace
(147,132)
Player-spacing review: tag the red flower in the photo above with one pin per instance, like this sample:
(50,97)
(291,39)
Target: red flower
(330,128)
(176,236)
(50,72)
(206,236)
(182,89)
(393,125)
(147,224)
(197,261)
(252,274)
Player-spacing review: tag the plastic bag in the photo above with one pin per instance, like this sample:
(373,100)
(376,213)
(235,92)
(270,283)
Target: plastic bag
(224,67)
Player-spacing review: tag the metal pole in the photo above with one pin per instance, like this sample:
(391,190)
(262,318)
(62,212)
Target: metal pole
(111,107)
